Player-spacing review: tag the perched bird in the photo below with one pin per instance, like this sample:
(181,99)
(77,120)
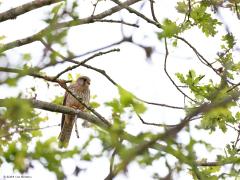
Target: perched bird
(81,89)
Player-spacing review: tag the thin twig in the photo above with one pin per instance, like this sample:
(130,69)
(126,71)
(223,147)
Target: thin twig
(233,87)
(152,10)
(94,7)
(165,69)
(154,124)
(199,56)
(117,21)
(100,49)
(229,125)
(237,140)
(84,61)
(109,176)
(131,10)
(189,10)
(160,104)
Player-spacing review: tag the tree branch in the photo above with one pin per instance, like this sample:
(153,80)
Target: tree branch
(63,109)
(14,12)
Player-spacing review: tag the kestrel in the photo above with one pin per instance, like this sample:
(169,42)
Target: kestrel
(81,89)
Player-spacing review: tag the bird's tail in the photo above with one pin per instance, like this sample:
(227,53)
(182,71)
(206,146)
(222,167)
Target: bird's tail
(66,131)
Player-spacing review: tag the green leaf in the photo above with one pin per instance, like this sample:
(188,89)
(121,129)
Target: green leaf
(127,99)
(94,104)
(229,39)
(11,82)
(27,56)
(182,7)
(204,20)
(116,106)
(58,100)
(87,157)
(2,37)
(217,117)
(56,8)
(169,29)
(70,77)
(17,109)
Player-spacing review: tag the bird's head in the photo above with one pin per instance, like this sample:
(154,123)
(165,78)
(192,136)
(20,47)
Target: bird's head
(84,81)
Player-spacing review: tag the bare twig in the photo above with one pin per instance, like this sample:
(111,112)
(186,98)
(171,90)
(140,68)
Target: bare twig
(152,10)
(131,10)
(229,125)
(233,87)
(199,56)
(109,176)
(237,139)
(117,21)
(160,104)
(165,69)
(94,7)
(154,124)
(84,61)
(218,163)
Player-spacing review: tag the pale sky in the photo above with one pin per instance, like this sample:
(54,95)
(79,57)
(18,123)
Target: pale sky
(129,68)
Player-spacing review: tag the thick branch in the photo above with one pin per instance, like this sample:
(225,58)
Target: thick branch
(88,117)
(63,109)
(14,12)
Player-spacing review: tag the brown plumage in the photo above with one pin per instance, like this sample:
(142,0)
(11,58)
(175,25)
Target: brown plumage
(80,88)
